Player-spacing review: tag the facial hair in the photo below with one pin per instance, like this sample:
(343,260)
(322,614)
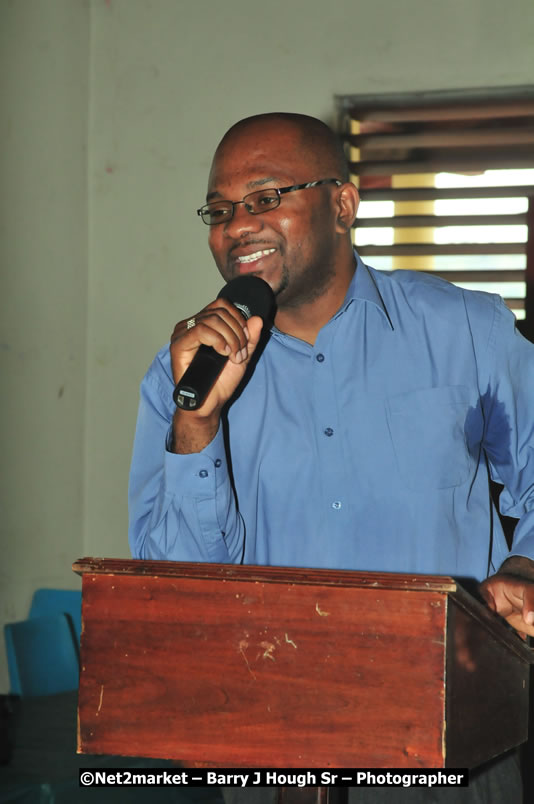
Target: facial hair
(296,290)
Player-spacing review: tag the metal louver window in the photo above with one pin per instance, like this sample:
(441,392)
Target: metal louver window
(447,186)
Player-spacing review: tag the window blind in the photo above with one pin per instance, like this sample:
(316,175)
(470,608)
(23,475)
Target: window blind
(447,186)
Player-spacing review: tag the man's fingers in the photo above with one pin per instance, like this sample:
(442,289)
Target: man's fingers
(219,325)
(528,604)
(512,598)
(253,332)
(505,593)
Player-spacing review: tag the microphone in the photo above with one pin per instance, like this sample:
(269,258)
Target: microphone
(252,296)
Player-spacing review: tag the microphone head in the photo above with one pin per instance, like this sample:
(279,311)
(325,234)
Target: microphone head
(251,295)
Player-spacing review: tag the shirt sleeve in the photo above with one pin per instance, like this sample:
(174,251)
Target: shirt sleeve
(508,409)
(181,507)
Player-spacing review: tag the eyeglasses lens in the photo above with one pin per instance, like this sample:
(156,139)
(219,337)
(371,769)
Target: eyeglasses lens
(255,203)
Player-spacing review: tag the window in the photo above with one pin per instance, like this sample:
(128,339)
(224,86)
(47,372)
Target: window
(447,186)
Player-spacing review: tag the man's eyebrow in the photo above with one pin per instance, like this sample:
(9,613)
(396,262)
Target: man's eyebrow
(251,186)
(261,182)
(212,195)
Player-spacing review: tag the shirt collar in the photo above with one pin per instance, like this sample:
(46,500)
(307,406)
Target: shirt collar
(363,287)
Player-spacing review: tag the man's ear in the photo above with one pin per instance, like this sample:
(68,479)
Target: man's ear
(347,200)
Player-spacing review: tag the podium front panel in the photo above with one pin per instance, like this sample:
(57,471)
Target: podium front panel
(261,667)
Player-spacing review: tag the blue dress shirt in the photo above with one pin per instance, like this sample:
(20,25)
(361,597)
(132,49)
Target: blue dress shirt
(369,450)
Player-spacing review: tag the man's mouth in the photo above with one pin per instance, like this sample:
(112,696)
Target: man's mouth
(257,255)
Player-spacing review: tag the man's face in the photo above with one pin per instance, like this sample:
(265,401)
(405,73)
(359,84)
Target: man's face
(290,247)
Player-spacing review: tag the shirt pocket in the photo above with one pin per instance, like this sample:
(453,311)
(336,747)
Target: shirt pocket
(427,428)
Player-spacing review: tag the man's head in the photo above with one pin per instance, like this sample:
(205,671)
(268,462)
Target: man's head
(303,245)
(313,138)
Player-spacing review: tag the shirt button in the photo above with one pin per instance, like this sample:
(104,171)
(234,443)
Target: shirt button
(336,504)
(329,432)
(203,473)
(218,462)
(319,357)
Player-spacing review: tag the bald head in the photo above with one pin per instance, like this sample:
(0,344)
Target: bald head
(312,139)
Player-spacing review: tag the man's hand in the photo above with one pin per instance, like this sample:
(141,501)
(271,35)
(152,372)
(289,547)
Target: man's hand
(510,593)
(221,326)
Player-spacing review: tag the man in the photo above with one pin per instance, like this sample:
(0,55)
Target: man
(359,433)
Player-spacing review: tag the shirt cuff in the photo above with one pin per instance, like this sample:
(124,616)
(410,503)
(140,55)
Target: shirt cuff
(199,474)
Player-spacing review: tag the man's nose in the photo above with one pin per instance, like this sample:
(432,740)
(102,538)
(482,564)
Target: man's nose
(242,222)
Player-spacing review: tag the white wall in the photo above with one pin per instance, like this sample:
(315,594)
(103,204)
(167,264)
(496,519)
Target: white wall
(43,296)
(101,247)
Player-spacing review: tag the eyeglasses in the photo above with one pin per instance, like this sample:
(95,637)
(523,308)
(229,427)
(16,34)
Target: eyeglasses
(256,203)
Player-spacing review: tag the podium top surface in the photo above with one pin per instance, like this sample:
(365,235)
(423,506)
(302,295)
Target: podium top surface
(264,574)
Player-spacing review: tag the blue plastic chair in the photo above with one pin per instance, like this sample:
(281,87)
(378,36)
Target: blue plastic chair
(46,603)
(59,601)
(42,656)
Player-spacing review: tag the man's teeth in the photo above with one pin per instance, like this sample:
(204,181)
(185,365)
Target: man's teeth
(256,255)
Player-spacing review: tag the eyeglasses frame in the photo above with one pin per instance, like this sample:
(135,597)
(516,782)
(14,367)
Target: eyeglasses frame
(279,190)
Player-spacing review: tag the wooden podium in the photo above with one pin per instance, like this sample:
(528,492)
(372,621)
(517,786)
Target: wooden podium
(241,666)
